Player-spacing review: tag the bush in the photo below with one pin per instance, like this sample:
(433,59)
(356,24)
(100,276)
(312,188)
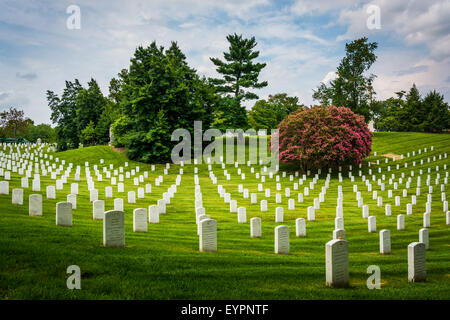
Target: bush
(324,137)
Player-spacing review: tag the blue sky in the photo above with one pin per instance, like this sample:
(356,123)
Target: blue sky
(302,42)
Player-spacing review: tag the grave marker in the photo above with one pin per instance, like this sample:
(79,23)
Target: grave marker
(114,229)
(336,252)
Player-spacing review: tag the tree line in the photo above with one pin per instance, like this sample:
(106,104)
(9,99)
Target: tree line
(159,92)
(14,125)
(353,88)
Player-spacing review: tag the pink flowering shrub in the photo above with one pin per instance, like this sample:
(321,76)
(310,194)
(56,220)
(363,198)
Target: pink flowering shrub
(324,137)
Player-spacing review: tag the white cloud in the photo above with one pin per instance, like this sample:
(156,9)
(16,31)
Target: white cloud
(310,7)
(329,77)
(298,55)
(413,23)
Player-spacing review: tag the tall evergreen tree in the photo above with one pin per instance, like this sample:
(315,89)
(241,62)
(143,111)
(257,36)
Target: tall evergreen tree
(239,74)
(90,104)
(415,109)
(437,113)
(64,115)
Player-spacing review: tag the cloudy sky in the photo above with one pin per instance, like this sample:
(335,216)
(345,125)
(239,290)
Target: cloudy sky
(301,41)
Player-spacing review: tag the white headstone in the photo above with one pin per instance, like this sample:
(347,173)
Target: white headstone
(388,209)
(4,187)
(17,196)
(300,227)
(336,252)
(64,214)
(208,235)
(400,222)
(114,229)
(339,223)
(118,204)
(98,209)
(153,214)
(93,195)
(311,215)
(242,216)
(279,214)
(35,205)
(416,262)
(426,220)
(255,227)
(51,193)
(140,220)
(72,198)
(131,197)
(385,241)
(365,213)
(161,206)
(282,240)
(424,238)
(372,224)
(263,205)
(338,234)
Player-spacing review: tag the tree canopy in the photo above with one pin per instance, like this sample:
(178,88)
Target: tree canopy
(352,87)
(13,122)
(410,112)
(267,114)
(240,74)
(161,94)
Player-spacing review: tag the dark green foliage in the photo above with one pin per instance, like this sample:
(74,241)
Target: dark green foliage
(268,114)
(76,110)
(262,116)
(229,114)
(239,71)
(42,131)
(88,137)
(160,94)
(90,104)
(64,114)
(13,123)
(239,74)
(409,112)
(437,113)
(352,88)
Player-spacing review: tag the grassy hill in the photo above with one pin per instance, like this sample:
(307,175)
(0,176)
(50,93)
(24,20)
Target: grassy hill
(165,262)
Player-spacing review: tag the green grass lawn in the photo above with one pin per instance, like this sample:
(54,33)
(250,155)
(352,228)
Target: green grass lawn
(165,262)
